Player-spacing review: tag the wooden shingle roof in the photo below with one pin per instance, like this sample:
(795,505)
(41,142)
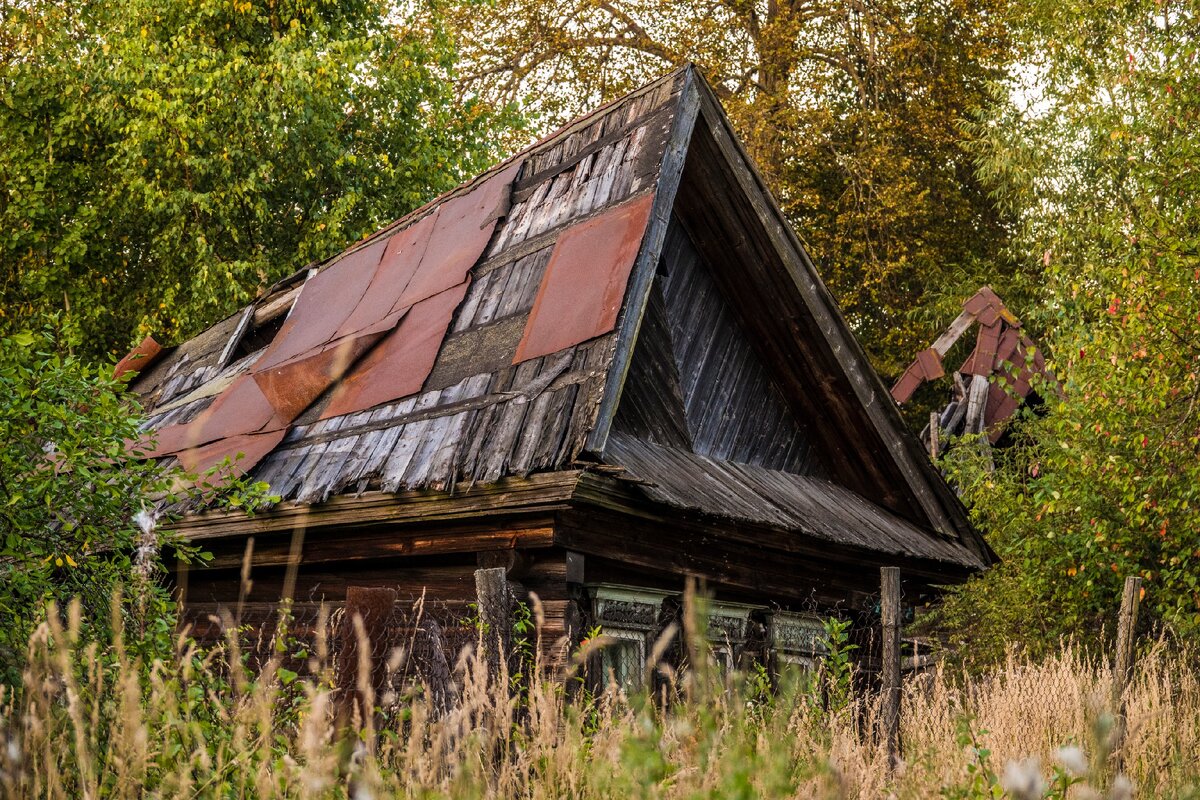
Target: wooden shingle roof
(493,333)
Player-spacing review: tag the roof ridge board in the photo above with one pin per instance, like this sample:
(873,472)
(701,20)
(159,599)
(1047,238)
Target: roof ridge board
(930,491)
(637,295)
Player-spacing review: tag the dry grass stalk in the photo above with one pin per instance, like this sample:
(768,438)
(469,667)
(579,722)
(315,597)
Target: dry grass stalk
(96,723)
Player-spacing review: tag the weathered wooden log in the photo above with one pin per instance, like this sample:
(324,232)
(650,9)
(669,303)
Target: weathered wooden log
(494,599)
(890,673)
(1131,599)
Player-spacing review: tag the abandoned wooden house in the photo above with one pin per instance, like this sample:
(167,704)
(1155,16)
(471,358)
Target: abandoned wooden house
(604,365)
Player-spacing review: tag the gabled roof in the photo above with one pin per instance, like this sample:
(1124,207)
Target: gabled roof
(492,333)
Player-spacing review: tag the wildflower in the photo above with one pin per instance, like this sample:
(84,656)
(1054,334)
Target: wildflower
(146,521)
(1074,760)
(1023,779)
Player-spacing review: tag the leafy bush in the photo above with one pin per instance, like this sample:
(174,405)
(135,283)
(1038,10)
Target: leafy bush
(1094,147)
(71,489)
(77,503)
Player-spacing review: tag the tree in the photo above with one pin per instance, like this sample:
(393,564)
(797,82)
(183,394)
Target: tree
(1095,150)
(851,109)
(164,160)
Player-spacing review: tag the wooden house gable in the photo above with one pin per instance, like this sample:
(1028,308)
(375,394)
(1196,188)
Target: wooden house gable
(696,380)
(732,354)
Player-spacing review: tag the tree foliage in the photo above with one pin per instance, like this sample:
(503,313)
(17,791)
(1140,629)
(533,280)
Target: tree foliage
(1096,151)
(165,159)
(852,110)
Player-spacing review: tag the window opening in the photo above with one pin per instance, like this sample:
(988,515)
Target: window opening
(629,617)
(797,640)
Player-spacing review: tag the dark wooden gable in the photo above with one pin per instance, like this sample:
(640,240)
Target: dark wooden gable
(696,380)
(770,323)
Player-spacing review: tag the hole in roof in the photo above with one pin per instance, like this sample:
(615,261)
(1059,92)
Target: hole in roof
(256,337)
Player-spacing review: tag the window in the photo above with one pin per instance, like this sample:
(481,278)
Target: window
(797,639)
(728,632)
(623,660)
(629,617)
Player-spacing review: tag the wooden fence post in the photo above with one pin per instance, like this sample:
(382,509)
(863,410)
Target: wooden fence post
(1126,626)
(1123,659)
(889,594)
(494,600)
(935,445)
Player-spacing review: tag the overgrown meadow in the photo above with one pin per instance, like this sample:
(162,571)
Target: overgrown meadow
(102,722)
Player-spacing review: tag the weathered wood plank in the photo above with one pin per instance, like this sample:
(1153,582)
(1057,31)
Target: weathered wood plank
(519,494)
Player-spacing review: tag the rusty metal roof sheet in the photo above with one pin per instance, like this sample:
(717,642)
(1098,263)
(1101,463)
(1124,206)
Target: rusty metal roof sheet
(584,285)
(139,358)
(243,450)
(399,365)
(327,300)
(462,230)
(292,387)
(242,408)
(402,255)
(365,331)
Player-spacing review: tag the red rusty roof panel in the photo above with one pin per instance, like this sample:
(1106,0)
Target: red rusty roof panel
(327,300)
(343,327)
(399,365)
(983,358)
(401,256)
(292,387)
(930,363)
(244,451)
(242,408)
(139,358)
(462,229)
(584,284)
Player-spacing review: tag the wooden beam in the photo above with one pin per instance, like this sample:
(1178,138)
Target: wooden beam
(390,543)
(889,601)
(540,492)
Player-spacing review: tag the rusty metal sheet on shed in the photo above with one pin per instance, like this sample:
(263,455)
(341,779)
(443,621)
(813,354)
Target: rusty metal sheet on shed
(139,358)
(461,232)
(293,386)
(240,409)
(584,284)
(399,365)
(327,300)
(402,255)
(244,450)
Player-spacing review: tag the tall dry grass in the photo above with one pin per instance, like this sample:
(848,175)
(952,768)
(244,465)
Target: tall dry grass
(94,723)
